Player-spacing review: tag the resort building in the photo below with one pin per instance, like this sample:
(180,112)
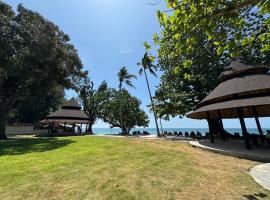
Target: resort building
(243,92)
(67,119)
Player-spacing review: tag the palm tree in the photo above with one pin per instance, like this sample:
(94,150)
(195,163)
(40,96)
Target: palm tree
(124,77)
(147,64)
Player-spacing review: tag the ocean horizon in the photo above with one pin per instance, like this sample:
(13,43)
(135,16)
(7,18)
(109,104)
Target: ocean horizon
(152,131)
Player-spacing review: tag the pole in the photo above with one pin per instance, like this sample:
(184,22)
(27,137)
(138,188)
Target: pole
(65,127)
(81,128)
(221,126)
(244,128)
(255,113)
(210,127)
(49,128)
(52,128)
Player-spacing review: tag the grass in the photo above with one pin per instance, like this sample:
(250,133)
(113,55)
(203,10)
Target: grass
(120,168)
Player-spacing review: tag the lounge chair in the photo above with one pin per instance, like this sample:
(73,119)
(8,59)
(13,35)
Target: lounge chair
(180,134)
(165,133)
(175,133)
(186,134)
(192,135)
(199,134)
(254,139)
(237,135)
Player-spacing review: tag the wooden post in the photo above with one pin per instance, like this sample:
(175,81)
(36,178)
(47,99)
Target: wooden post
(81,128)
(221,126)
(244,128)
(65,127)
(52,128)
(74,125)
(257,120)
(49,128)
(210,127)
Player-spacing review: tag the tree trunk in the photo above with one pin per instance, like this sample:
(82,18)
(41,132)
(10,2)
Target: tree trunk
(215,127)
(90,129)
(124,130)
(3,123)
(152,103)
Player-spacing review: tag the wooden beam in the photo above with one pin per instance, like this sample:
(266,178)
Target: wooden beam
(65,127)
(210,127)
(52,128)
(255,113)
(49,128)
(244,128)
(221,126)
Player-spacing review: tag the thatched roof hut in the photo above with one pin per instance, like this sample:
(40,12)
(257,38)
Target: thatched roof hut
(244,91)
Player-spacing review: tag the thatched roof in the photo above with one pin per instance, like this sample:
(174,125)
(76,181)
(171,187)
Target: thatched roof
(68,114)
(228,109)
(72,103)
(70,111)
(242,86)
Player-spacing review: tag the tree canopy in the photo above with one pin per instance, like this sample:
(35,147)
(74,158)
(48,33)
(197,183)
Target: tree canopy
(92,100)
(34,55)
(132,115)
(197,40)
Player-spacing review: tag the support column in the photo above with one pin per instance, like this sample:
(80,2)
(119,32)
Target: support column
(65,127)
(52,127)
(74,125)
(210,127)
(221,126)
(81,128)
(244,128)
(257,120)
(49,128)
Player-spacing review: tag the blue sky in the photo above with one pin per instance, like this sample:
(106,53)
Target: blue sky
(109,34)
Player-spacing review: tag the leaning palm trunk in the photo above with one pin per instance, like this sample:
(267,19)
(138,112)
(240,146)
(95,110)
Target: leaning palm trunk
(152,103)
(121,113)
(161,126)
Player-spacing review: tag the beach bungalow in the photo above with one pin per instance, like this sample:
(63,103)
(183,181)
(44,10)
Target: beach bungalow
(243,92)
(66,119)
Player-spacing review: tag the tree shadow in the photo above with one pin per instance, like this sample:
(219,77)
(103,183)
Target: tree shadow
(29,145)
(256,196)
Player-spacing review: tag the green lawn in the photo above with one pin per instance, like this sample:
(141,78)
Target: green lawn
(120,168)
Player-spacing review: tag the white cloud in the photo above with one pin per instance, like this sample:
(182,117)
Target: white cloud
(126,51)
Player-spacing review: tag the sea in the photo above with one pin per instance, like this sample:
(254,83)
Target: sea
(152,131)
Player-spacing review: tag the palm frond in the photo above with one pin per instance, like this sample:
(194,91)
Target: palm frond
(141,71)
(129,83)
(152,71)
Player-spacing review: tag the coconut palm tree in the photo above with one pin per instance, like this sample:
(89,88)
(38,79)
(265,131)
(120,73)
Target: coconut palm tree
(147,64)
(124,77)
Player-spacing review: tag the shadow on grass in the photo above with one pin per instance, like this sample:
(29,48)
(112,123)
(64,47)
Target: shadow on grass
(30,145)
(256,196)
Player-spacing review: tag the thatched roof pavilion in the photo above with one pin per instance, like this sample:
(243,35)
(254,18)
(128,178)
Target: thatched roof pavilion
(70,113)
(243,92)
